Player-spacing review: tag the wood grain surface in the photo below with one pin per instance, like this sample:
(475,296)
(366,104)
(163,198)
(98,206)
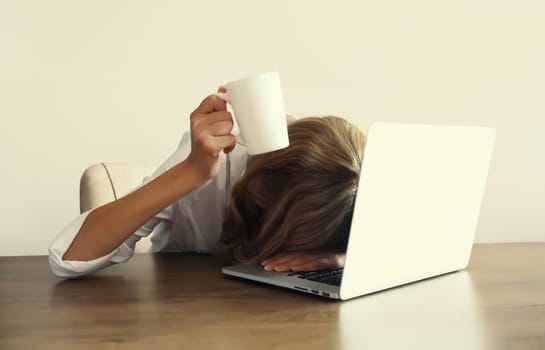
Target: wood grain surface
(181,301)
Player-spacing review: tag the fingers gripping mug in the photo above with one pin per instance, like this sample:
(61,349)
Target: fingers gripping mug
(258,108)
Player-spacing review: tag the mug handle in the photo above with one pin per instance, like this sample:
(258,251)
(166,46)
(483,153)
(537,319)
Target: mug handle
(224,96)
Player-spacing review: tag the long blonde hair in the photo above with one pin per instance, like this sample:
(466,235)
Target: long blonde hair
(296,199)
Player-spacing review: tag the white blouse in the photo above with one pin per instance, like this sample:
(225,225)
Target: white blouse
(192,223)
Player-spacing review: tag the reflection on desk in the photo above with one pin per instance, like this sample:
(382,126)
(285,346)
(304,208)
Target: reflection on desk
(182,300)
(439,313)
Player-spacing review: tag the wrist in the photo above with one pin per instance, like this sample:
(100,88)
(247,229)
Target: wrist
(190,175)
(202,167)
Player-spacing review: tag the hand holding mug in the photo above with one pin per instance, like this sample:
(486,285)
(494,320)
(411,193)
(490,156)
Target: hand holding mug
(211,126)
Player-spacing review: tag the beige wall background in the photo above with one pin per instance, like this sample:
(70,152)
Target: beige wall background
(89,81)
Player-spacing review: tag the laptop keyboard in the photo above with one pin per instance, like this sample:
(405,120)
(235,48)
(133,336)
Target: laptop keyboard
(332,277)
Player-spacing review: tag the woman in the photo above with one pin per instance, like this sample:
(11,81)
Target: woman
(288,210)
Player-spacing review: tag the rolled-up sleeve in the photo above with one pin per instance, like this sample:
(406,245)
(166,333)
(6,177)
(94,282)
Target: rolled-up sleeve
(75,268)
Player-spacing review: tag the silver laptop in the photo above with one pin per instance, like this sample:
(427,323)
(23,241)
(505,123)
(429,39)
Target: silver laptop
(415,214)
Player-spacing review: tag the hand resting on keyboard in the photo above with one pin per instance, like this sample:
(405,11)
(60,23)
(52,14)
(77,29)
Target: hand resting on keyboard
(304,261)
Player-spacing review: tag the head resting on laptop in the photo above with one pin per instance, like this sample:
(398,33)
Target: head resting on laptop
(299,198)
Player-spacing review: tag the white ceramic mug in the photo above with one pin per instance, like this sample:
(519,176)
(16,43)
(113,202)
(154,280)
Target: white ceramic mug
(258,108)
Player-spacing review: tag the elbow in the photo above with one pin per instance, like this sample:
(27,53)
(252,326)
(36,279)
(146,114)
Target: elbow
(75,268)
(65,268)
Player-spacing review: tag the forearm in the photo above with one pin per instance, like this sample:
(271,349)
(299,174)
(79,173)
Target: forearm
(107,227)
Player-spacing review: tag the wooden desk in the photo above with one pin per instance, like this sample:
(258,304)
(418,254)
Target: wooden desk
(181,301)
